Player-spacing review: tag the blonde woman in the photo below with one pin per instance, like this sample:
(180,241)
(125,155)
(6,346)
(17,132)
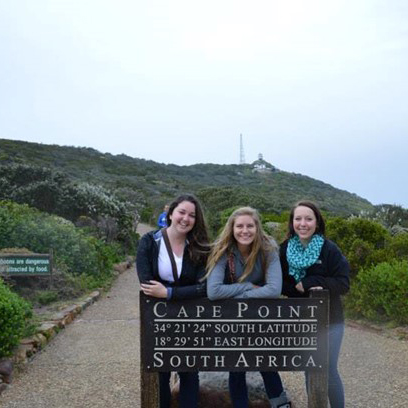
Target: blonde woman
(244,263)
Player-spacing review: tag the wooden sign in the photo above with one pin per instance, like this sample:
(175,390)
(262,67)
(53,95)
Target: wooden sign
(234,334)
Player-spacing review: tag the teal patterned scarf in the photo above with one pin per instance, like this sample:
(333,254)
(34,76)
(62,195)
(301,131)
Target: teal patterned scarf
(300,258)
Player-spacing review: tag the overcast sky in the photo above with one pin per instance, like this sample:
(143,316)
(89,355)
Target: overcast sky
(319,87)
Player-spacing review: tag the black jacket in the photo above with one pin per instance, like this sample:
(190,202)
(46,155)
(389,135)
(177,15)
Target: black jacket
(147,268)
(331,271)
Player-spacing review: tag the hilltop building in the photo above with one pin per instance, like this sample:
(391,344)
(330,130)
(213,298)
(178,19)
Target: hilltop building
(262,166)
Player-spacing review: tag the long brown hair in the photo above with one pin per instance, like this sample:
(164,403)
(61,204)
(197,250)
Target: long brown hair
(225,243)
(199,246)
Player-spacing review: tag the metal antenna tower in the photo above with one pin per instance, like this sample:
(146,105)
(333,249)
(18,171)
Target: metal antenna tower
(242,155)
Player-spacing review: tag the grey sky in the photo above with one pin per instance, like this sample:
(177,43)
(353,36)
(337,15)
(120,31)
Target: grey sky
(318,87)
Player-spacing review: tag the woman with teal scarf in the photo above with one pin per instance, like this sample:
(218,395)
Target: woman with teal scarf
(310,262)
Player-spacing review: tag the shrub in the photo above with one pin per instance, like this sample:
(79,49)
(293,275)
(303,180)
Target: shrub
(13,314)
(362,241)
(344,232)
(388,215)
(283,217)
(380,293)
(146,215)
(45,297)
(83,282)
(398,246)
(73,250)
(53,192)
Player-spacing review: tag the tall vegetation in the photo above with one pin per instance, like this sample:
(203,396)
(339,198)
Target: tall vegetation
(379,292)
(148,185)
(80,202)
(74,251)
(388,215)
(362,241)
(379,268)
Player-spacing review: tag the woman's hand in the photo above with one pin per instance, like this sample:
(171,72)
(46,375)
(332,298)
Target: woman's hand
(155,289)
(299,287)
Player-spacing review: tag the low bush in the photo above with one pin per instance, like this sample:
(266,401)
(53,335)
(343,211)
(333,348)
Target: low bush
(14,312)
(53,192)
(361,241)
(74,251)
(45,297)
(398,246)
(380,293)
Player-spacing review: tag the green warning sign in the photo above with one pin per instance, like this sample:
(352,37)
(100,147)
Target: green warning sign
(25,265)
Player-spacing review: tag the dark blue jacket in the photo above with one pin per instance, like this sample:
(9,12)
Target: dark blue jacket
(189,285)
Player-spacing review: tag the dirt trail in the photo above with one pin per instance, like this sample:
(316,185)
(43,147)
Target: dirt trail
(144,228)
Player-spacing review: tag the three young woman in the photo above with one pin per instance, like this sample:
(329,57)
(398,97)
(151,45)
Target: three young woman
(171,264)
(244,263)
(311,262)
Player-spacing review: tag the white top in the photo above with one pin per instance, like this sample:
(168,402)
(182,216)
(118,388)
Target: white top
(165,269)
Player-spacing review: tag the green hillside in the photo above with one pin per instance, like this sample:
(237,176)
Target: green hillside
(148,184)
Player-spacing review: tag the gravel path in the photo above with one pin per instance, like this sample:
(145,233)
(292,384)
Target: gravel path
(374,369)
(144,228)
(94,362)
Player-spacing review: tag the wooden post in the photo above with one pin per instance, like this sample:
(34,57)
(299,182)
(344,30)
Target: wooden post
(317,385)
(149,394)
(149,381)
(51,281)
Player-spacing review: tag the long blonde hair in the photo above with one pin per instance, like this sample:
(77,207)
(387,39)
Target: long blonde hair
(225,243)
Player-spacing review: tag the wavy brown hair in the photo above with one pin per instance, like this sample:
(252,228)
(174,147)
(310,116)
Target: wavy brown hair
(226,241)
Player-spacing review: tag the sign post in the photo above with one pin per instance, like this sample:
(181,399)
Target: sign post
(235,335)
(318,380)
(149,381)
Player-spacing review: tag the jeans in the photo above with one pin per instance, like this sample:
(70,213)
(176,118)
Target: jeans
(336,390)
(189,389)
(239,392)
